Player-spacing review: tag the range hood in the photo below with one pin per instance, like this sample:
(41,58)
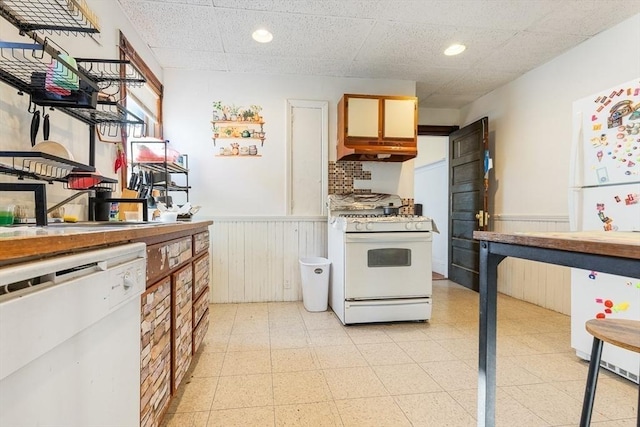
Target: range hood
(372,151)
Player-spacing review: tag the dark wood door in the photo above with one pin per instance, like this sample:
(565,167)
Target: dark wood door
(467,200)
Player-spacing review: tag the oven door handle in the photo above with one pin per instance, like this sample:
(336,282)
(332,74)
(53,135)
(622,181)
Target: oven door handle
(390,301)
(399,237)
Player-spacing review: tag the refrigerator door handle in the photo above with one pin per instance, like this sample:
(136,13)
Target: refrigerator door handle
(575,216)
(575,163)
(575,172)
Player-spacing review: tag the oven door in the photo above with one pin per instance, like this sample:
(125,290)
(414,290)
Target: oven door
(387,265)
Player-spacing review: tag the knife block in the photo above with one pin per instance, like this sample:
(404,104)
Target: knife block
(99,207)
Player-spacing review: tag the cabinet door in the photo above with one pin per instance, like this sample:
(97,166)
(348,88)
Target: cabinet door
(182,282)
(200,330)
(200,275)
(155,357)
(200,242)
(164,257)
(362,117)
(399,118)
(199,307)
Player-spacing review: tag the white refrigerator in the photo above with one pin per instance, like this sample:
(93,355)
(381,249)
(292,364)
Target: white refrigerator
(604,195)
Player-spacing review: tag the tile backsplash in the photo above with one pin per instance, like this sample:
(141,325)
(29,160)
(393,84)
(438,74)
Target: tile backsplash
(342,175)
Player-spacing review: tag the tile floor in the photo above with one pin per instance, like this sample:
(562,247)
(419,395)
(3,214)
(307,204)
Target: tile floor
(275,364)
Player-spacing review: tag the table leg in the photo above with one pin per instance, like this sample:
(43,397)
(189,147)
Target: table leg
(487,352)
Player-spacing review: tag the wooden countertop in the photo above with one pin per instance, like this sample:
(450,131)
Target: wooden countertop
(625,244)
(26,243)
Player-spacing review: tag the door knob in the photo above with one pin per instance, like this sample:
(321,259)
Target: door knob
(480,218)
(483,218)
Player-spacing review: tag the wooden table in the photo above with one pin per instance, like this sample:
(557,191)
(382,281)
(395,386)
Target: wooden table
(607,252)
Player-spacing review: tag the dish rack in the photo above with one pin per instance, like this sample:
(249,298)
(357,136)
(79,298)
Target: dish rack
(50,168)
(24,65)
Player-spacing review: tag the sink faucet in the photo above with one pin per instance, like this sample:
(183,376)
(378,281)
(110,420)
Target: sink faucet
(68,199)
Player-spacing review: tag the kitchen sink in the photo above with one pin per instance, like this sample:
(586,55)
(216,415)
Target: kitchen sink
(98,224)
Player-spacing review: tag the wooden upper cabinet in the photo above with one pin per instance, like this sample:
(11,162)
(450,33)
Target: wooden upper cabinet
(399,118)
(380,117)
(377,128)
(363,116)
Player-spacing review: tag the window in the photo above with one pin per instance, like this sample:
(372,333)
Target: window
(145,101)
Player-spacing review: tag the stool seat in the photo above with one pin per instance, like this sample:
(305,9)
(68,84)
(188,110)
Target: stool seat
(619,332)
(622,333)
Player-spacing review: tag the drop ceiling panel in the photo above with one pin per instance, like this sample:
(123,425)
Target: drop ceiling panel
(492,14)
(187,2)
(405,42)
(349,8)
(294,36)
(527,50)
(586,17)
(416,71)
(172,25)
(477,81)
(191,59)
(285,65)
(384,39)
(446,101)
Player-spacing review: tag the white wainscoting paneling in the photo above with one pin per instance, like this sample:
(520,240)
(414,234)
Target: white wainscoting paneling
(546,285)
(255,259)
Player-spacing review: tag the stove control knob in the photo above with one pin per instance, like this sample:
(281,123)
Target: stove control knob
(369,226)
(358,226)
(419,225)
(408,226)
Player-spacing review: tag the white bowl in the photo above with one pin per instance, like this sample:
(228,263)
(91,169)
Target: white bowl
(168,217)
(53,148)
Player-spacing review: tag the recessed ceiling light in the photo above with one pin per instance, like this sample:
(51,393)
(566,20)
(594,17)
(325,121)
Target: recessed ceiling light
(262,36)
(455,49)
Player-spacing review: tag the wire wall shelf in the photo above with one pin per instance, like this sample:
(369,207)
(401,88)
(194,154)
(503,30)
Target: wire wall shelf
(107,113)
(51,16)
(107,72)
(38,165)
(25,65)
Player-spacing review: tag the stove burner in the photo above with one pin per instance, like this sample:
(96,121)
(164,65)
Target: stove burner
(354,215)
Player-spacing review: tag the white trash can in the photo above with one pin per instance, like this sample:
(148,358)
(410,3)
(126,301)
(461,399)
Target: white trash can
(315,283)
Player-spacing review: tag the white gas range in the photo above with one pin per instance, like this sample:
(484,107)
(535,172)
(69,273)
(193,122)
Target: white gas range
(381,264)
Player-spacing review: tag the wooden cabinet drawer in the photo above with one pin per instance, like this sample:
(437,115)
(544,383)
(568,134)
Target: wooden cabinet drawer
(201,330)
(200,275)
(164,257)
(200,242)
(200,306)
(155,360)
(182,282)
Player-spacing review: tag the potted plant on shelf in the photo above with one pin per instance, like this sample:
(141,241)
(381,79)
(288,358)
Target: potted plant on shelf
(233,113)
(217,109)
(256,113)
(216,131)
(247,114)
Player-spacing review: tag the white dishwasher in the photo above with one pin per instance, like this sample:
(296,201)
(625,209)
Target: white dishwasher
(70,339)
